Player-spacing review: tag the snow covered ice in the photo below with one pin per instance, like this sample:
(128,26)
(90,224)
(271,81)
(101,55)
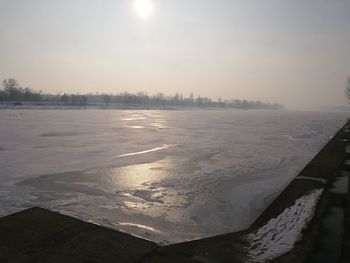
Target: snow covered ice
(280,234)
(167,176)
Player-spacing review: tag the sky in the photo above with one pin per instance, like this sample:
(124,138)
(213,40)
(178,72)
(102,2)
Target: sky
(293,52)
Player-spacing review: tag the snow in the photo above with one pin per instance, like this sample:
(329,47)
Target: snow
(280,234)
(347,149)
(180,175)
(322,181)
(341,184)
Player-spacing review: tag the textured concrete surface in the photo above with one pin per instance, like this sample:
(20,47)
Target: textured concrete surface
(38,235)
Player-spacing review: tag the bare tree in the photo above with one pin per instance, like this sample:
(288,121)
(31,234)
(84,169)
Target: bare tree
(11,88)
(9,84)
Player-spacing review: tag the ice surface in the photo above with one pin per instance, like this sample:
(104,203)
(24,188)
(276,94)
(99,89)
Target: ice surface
(179,175)
(280,234)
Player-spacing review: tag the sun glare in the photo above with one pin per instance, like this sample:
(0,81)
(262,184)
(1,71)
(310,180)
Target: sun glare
(143,8)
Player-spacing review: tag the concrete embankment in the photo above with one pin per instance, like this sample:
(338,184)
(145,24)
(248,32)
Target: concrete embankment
(308,221)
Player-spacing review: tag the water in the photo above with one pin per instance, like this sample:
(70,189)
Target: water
(167,176)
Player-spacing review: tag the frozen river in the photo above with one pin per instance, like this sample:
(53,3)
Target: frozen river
(167,176)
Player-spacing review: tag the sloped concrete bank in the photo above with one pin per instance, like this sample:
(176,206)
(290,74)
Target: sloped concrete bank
(292,229)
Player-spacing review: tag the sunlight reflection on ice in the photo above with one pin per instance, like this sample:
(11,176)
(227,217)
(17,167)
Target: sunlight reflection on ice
(135,127)
(165,146)
(136,176)
(138,225)
(134,117)
(158,125)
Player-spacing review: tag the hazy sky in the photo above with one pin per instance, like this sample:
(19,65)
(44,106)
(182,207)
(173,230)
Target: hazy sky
(295,52)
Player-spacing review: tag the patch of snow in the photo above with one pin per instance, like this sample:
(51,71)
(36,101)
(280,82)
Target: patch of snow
(347,149)
(343,140)
(340,186)
(322,181)
(280,234)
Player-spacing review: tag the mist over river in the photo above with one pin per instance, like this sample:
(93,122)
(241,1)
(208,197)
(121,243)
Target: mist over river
(167,176)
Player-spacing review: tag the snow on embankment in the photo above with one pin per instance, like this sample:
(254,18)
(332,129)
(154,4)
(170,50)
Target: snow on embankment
(280,234)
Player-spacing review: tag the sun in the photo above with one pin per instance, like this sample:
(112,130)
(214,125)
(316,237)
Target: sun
(143,8)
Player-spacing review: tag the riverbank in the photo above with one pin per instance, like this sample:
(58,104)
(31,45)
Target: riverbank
(289,230)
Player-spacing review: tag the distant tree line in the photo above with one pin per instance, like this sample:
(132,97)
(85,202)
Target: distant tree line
(12,92)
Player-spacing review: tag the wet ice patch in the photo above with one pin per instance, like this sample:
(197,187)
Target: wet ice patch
(280,234)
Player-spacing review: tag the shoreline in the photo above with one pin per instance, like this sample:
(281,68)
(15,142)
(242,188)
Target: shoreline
(122,107)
